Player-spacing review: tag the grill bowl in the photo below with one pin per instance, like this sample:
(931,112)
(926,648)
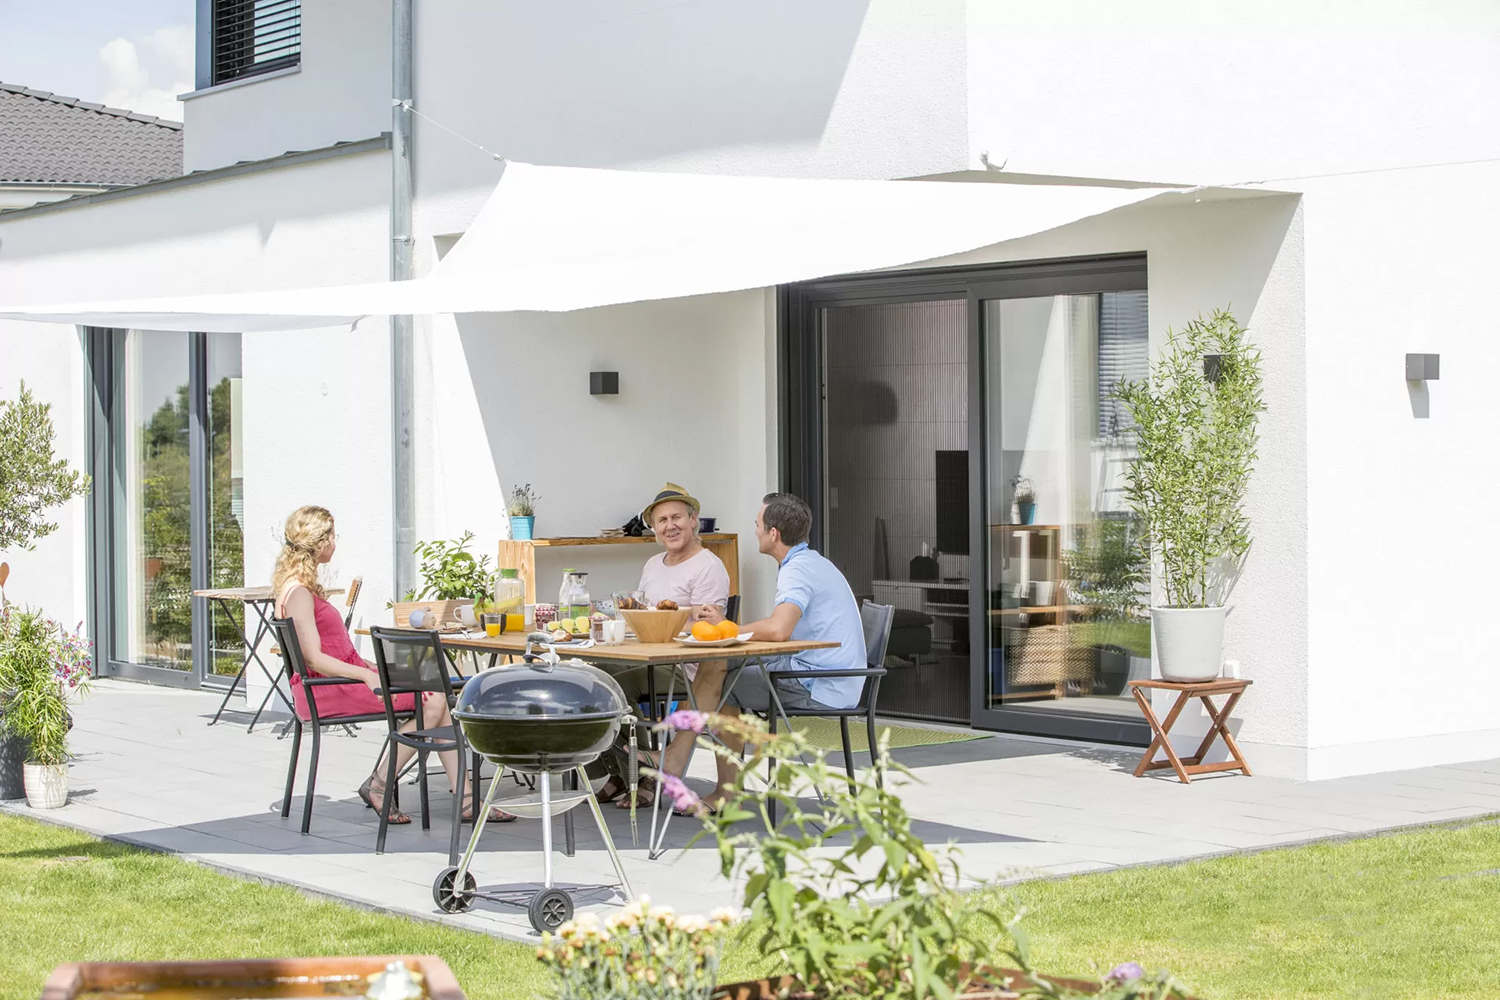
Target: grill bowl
(541,717)
(656,626)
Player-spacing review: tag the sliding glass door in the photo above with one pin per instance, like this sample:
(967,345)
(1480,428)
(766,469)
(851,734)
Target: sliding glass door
(167,520)
(1065,560)
(957,434)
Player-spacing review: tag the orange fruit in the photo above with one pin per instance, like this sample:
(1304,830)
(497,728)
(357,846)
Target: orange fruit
(704,632)
(728,630)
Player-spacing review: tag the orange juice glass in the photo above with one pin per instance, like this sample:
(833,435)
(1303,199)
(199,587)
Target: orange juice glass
(515,621)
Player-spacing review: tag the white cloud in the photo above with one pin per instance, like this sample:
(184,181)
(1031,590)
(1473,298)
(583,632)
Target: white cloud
(147,74)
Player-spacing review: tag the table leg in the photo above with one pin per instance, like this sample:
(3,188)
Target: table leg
(1220,727)
(243,666)
(1161,739)
(263,630)
(657,841)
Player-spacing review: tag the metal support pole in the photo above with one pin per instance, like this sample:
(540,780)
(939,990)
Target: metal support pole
(403,478)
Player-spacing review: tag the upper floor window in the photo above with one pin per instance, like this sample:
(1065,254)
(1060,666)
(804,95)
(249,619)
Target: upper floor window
(251,37)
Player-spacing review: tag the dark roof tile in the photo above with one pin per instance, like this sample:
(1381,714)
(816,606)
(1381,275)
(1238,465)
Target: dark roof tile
(47,139)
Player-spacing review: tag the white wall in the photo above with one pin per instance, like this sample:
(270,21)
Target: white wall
(316,223)
(1402,476)
(506,401)
(1179,90)
(340,93)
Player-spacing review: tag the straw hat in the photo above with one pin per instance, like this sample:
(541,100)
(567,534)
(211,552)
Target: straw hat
(671,491)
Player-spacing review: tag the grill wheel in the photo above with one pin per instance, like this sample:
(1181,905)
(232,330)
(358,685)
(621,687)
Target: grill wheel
(550,909)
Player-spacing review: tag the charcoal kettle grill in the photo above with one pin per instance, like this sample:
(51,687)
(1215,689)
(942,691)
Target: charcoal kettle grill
(540,717)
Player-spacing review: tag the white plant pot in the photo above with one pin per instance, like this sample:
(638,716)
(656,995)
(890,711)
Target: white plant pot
(46,785)
(1189,642)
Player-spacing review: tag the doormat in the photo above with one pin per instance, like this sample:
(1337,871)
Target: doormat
(824,733)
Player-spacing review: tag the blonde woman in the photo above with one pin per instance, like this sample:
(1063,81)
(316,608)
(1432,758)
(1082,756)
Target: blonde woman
(328,651)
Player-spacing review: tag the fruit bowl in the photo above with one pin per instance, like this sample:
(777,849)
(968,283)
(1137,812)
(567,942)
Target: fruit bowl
(656,626)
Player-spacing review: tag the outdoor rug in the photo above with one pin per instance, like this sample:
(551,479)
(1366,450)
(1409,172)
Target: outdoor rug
(825,733)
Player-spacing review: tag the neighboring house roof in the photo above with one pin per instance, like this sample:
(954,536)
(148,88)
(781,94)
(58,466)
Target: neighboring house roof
(46,139)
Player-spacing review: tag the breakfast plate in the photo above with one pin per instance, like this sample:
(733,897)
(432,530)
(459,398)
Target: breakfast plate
(714,643)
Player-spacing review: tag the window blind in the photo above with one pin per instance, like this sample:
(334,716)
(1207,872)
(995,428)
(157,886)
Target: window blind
(252,37)
(1123,354)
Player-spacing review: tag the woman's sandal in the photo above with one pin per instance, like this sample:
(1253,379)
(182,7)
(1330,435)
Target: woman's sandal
(395,817)
(645,795)
(497,815)
(610,790)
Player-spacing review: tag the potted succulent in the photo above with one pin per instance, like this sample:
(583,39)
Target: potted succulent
(40,664)
(1024,495)
(1196,442)
(522,511)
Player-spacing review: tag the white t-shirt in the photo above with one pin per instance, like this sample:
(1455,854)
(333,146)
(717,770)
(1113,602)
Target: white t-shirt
(701,579)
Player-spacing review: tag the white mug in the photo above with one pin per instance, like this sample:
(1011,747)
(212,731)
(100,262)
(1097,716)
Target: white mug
(614,631)
(418,618)
(465,614)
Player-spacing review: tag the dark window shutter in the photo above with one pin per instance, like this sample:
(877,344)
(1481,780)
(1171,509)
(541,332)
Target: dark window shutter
(252,37)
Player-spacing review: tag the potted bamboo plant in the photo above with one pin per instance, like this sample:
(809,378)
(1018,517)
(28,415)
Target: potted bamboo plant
(40,664)
(1197,433)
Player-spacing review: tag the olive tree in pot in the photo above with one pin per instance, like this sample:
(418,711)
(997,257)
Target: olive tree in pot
(1196,439)
(40,664)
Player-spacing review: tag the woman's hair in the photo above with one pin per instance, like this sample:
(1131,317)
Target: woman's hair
(308,529)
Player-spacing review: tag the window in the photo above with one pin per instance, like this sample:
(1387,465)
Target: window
(251,37)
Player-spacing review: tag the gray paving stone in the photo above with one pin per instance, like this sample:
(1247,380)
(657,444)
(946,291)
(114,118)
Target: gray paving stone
(150,770)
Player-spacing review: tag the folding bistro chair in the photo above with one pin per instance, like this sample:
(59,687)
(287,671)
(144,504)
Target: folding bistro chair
(293,663)
(876,619)
(415,663)
(350,599)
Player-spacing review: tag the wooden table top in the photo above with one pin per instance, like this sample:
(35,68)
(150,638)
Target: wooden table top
(631,651)
(1219,685)
(250,595)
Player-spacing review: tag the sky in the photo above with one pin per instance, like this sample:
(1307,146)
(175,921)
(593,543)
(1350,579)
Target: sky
(131,54)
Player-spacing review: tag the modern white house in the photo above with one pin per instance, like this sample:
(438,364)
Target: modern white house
(1336,165)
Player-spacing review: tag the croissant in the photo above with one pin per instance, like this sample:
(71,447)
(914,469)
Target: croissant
(666,605)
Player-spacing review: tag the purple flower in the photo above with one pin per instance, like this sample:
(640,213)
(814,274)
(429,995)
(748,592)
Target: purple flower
(686,718)
(1125,972)
(683,797)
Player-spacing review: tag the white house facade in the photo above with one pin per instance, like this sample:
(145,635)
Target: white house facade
(1353,152)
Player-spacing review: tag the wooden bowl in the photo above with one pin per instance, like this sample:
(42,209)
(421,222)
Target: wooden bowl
(656,626)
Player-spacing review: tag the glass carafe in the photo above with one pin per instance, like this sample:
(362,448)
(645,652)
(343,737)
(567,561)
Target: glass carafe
(509,592)
(573,597)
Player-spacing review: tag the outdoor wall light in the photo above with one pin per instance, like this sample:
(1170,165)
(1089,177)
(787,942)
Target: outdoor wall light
(604,383)
(1421,367)
(1212,366)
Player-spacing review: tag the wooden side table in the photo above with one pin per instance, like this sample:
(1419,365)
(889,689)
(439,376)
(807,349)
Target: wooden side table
(1203,690)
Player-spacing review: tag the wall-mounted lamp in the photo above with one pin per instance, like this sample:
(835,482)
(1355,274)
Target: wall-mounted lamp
(1213,365)
(604,383)
(1421,367)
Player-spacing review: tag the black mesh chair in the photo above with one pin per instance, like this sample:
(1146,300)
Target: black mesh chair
(876,619)
(415,663)
(293,665)
(732,608)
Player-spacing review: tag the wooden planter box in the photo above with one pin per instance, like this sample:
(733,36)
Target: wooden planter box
(447,611)
(295,976)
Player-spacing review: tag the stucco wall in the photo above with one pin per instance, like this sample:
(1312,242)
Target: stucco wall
(318,223)
(341,92)
(1402,474)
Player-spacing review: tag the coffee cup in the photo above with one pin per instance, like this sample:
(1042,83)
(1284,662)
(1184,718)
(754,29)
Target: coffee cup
(465,614)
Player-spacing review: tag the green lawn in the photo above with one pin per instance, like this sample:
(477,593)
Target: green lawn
(1411,915)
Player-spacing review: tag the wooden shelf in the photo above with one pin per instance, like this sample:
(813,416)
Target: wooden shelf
(521,555)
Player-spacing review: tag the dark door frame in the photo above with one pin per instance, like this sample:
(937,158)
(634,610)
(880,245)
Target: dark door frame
(104,360)
(800,395)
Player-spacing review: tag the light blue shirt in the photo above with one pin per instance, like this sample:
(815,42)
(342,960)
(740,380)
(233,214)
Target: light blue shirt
(829,614)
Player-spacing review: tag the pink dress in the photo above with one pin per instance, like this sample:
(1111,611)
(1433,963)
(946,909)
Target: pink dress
(340,699)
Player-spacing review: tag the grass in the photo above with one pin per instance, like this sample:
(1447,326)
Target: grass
(1407,915)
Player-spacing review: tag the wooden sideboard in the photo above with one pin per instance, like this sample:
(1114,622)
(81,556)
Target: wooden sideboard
(521,555)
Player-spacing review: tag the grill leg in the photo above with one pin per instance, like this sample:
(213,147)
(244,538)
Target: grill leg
(546,784)
(609,842)
(479,820)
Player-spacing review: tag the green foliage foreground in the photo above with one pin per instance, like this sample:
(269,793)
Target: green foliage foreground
(1408,915)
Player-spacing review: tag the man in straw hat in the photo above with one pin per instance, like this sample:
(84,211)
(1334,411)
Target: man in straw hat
(690,575)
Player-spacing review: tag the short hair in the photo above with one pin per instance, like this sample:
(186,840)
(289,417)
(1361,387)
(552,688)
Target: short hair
(790,515)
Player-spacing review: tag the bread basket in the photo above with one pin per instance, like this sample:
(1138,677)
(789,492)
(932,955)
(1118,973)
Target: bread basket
(656,626)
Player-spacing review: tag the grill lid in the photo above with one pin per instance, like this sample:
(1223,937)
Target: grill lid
(539,691)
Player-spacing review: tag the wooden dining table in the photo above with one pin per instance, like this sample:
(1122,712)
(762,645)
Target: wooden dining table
(623,656)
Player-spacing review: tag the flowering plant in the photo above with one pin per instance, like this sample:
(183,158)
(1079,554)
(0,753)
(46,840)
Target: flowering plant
(39,662)
(644,952)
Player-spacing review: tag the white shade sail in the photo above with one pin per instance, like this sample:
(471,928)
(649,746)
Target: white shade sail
(554,239)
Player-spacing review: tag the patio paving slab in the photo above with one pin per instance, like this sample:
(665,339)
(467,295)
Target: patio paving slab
(150,771)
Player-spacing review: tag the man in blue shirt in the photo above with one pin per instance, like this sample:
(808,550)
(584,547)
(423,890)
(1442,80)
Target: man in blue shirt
(813,602)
